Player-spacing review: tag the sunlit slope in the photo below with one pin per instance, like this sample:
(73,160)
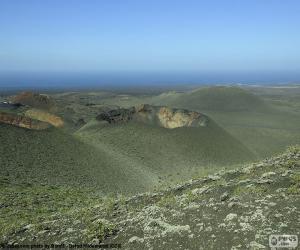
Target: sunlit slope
(54,157)
(166,152)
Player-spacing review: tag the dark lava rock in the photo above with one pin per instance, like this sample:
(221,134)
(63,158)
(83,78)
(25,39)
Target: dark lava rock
(116,115)
(80,122)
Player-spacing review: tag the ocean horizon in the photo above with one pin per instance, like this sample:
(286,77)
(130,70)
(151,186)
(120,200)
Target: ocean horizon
(82,80)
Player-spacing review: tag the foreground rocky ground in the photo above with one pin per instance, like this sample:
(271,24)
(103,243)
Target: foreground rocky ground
(234,209)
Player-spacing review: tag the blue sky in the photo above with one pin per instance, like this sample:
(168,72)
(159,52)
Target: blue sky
(150,35)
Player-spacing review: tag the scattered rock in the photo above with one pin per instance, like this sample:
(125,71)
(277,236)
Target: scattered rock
(256,246)
(135,239)
(268,174)
(230,217)
(214,177)
(264,181)
(200,190)
(224,196)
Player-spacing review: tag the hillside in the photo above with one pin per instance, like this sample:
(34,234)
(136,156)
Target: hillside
(138,155)
(236,209)
(57,158)
(35,100)
(27,108)
(167,153)
(220,98)
(260,125)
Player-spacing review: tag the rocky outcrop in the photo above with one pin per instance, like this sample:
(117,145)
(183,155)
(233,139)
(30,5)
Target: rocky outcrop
(44,116)
(34,100)
(156,115)
(22,121)
(117,115)
(170,118)
(80,122)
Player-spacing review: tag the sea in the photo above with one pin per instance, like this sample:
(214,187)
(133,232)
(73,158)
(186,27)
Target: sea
(118,80)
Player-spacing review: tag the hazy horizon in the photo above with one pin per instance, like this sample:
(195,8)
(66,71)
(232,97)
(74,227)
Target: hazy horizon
(157,42)
(80,80)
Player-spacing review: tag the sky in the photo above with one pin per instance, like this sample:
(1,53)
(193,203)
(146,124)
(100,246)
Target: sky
(150,35)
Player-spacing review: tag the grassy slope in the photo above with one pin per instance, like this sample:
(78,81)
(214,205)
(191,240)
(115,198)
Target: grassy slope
(166,152)
(125,158)
(215,99)
(264,128)
(55,157)
(263,133)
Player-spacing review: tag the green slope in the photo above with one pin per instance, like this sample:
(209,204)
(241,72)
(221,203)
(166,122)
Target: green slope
(115,158)
(167,153)
(262,127)
(54,157)
(215,99)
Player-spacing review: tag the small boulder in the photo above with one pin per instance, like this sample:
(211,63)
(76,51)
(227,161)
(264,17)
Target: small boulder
(224,196)
(231,217)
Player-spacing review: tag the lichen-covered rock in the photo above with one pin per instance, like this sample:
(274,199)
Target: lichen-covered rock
(230,217)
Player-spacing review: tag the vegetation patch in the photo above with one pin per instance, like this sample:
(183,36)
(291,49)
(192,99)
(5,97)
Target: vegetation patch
(35,210)
(295,187)
(168,201)
(242,191)
(292,164)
